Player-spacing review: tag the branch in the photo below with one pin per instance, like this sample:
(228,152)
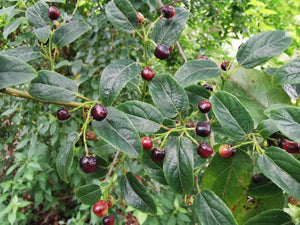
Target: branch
(180,51)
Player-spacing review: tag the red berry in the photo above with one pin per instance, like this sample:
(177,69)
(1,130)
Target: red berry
(99,112)
(108,220)
(139,178)
(157,155)
(88,164)
(53,13)
(202,58)
(62,114)
(225,151)
(203,129)
(291,147)
(146,143)
(256,178)
(208,87)
(225,65)
(162,52)
(204,150)
(141,18)
(171,48)
(100,208)
(110,202)
(147,74)
(204,106)
(168,11)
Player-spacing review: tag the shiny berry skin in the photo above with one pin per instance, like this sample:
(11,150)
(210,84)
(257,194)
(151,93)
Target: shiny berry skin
(225,65)
(108,220)
(99,112)
(53,13)
(147,74)
(204,106)
(100,208)
(208,87)
(202,58)
(161,52)
(203,129)
(291,147)
(157,155)
(88,164)
(146,143)
(225,151)
(110,202)
(204,150)
(168,11)
(141,18)
(62,114)
(256,178)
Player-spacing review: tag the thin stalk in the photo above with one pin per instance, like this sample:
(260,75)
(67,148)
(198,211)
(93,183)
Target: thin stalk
(76,7)
(144,90)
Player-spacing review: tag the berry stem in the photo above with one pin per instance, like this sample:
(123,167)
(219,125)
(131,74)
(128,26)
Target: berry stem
(191,116)
(212,136)
(144,90)
(190,137)
(76,7)
(50,48)
(242,144)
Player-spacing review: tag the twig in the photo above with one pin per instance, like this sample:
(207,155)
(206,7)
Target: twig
(113,162)
(180,51)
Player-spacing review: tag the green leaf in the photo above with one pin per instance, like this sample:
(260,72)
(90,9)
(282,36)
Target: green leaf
(229,177)
(69,32)
(64,158)
(101,171)
(14,71)
(179,164)
(167,31)
(89,194)
(262,47)
(118,131)
(211,210)
(122,15)
(283,169)
(266,128)
(12,26)
(136,195)
(169,97)
(288,73)
(196,70)
(24,53)
(114,78)
(51,86)
(232,115)
(271,217)
(145,117)
(287,120)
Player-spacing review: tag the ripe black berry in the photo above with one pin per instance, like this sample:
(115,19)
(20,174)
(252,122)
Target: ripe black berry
(203,129)
(99,112)
(168,11)
(108,220)
(162,52)
(88,164)
(53,13)
(204,150)
(256,178)
(225,65)
(62,114)
(157,155)
(208,87)
(204,106)
(147,74)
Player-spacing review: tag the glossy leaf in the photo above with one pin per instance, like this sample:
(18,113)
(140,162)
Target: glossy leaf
(229,177)
(169,97)
(283,169)
(179,164)
(145,117)
(12,26)
(24,53)
(262,47)
(89,194)
(266,128)
(271,217)
(51,86)
(118,131)
(122,15)
(167,31)
(211,210)
(69,32)
(114,78)
(232,115)
(196,70)
(287,120)
(14,71)
(136,195)
(65,155)
(288,73)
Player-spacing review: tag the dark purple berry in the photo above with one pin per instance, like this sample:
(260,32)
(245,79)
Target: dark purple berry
(62,114)
(147,74)
(157,155)
(168,11)
(161,52)
(208,87)
(99,112)
(225,65)
(204,150)
(88,164)
(256,178)
(108,220)
(53,13)
(204,106)
(203,129)
(291,147)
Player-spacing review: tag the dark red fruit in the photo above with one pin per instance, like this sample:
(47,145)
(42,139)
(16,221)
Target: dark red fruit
(147,74)
(62,114)
(108,220)
(291,147)
(99,112)
(256,178)
(202,58)
(146,143)
(162,52)
(88,164)
(53,13)
(168,11)
(203,129)
(208,87)
(100,208)
(204,106)
(204,150)
(141,18)
(225,151)
(157,155)
(225,65)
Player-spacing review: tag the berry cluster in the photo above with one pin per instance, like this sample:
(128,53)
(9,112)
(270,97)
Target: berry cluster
(100,209)
(156,154)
